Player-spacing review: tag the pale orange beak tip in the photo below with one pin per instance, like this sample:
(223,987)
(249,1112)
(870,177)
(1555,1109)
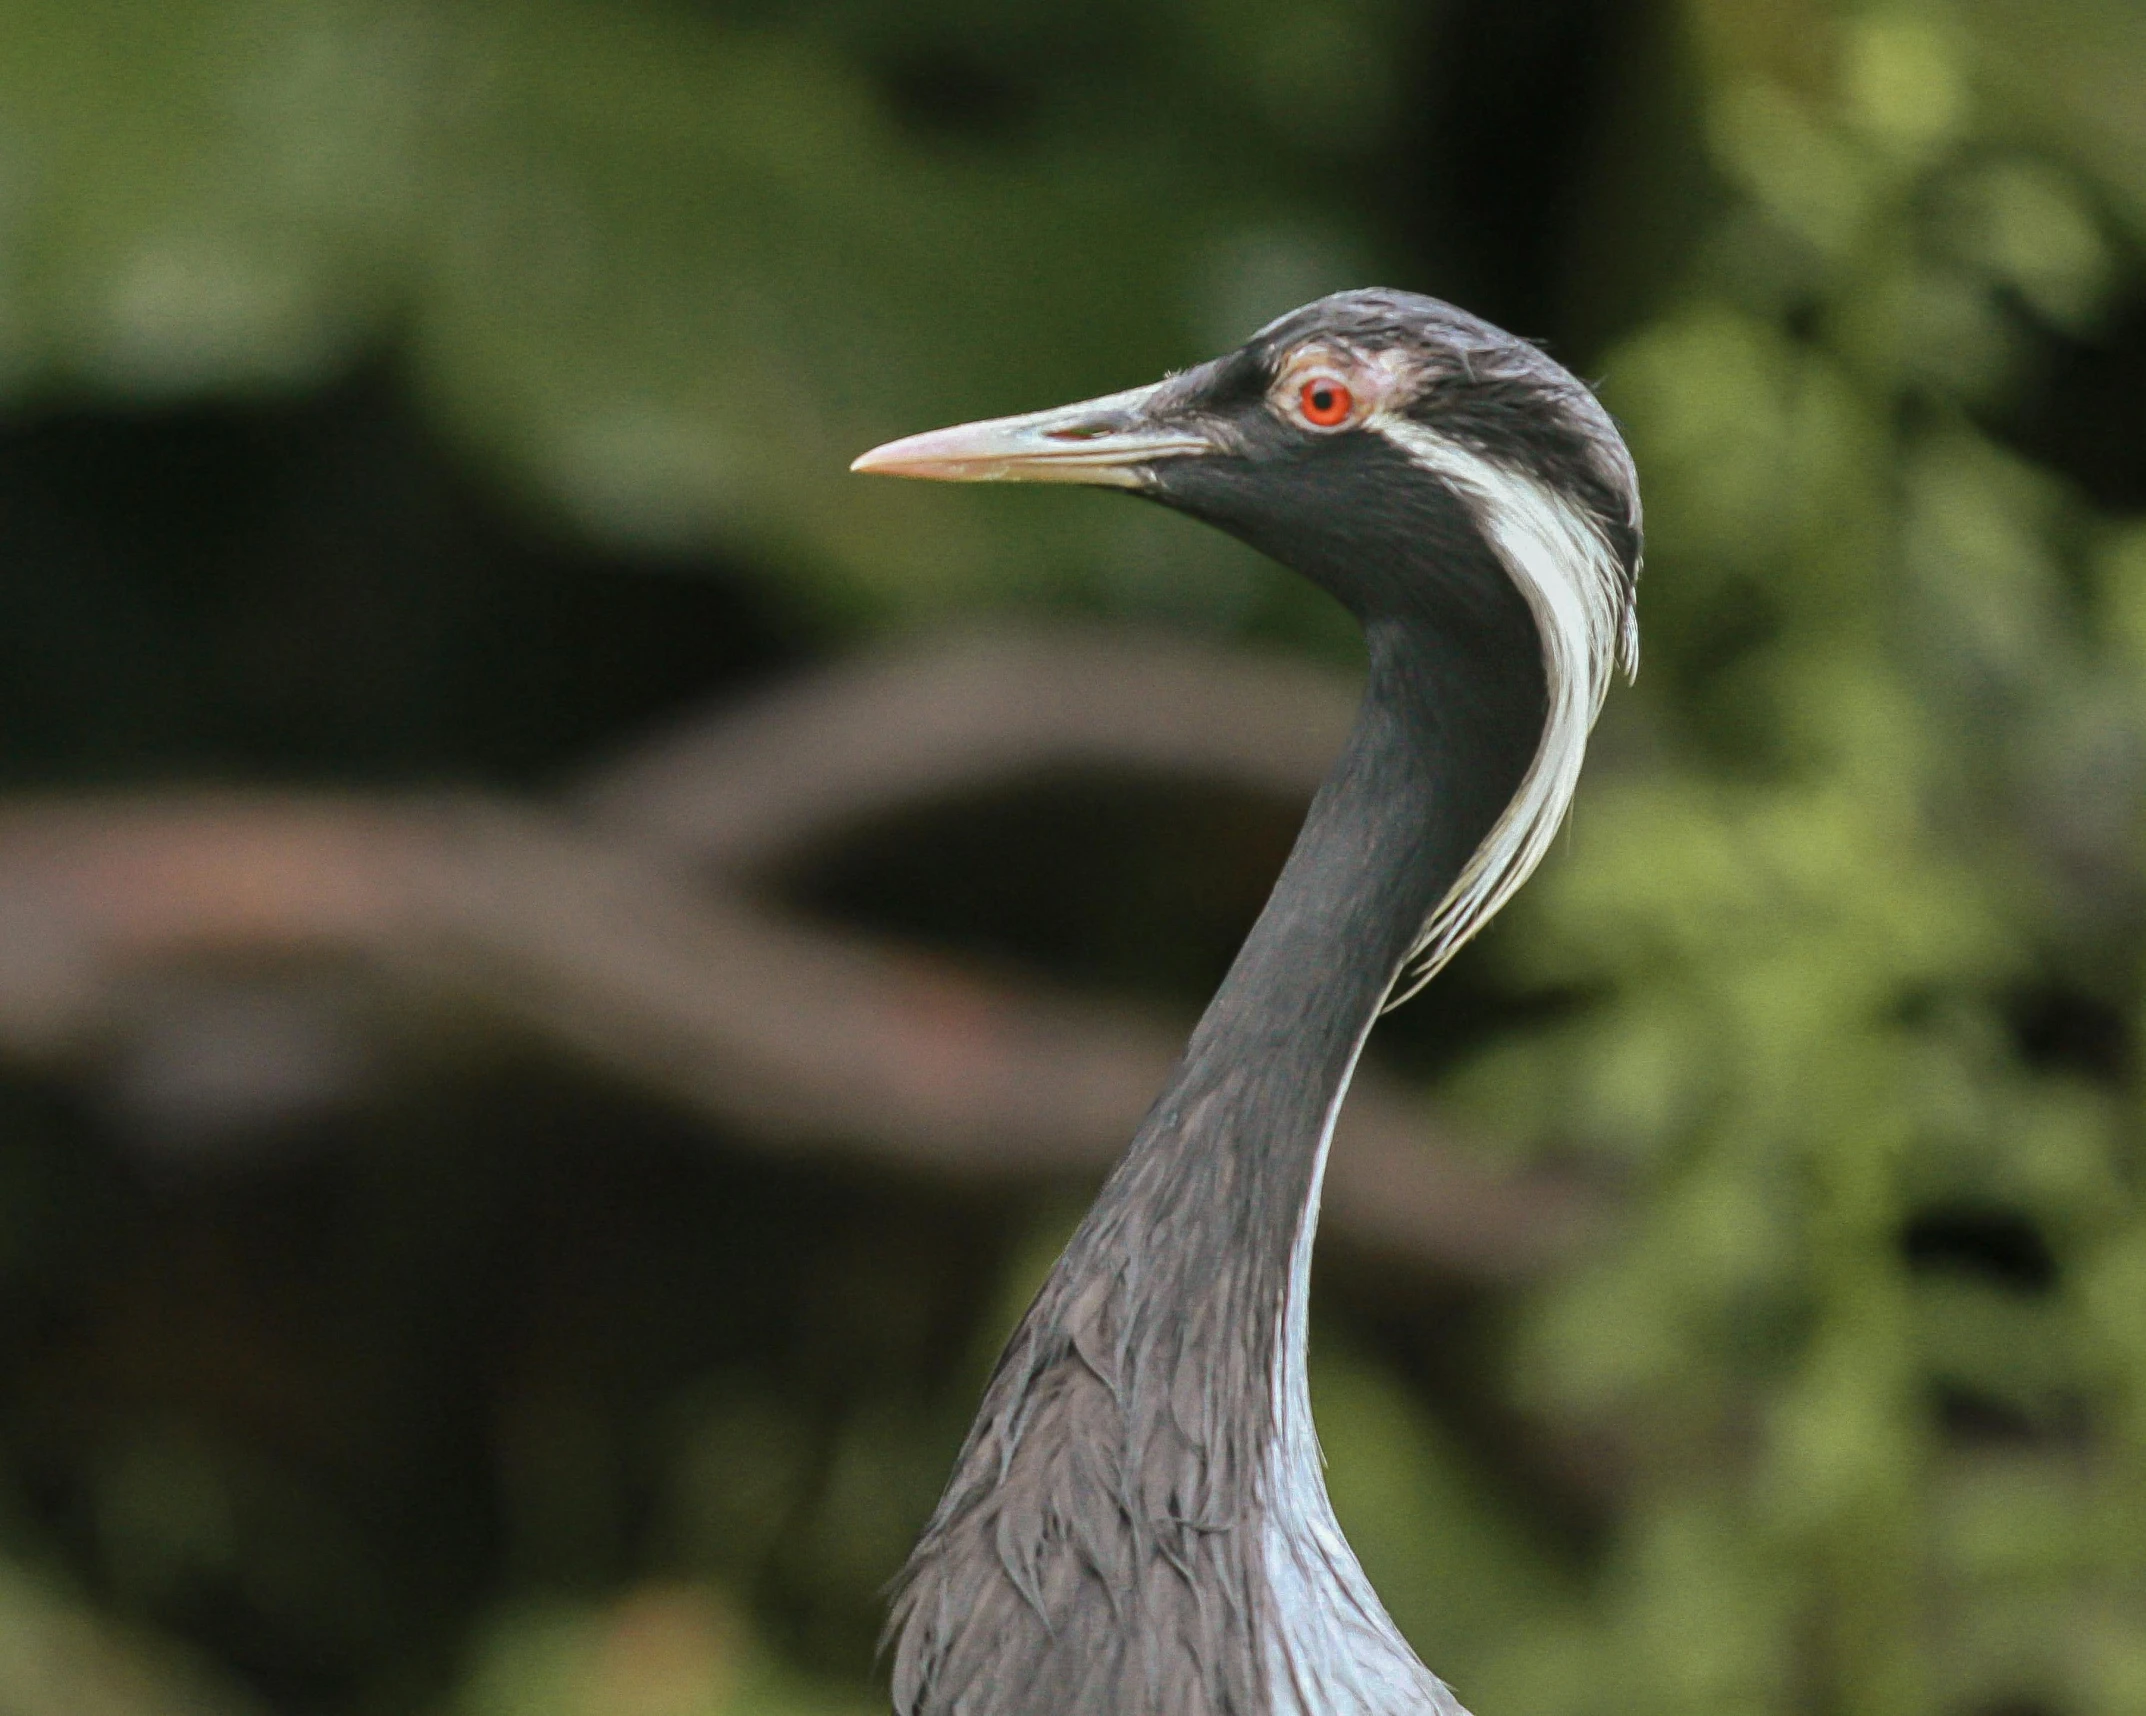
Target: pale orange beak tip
(1100,442)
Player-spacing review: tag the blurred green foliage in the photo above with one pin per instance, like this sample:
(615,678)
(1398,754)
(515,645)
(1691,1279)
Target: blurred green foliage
(1837,977)
(1875,1336)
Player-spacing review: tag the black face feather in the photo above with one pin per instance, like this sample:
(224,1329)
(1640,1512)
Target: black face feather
(1461,378)
(1344,510)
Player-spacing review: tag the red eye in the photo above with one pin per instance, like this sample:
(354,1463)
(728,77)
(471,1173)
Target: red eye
(1325,402)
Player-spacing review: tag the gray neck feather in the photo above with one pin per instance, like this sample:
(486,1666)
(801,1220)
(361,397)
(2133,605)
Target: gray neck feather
(1137,1523)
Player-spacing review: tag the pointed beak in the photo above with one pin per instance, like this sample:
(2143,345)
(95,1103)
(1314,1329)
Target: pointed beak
(1105,441)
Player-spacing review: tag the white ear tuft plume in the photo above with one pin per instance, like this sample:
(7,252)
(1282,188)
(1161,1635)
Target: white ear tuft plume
(1566,570)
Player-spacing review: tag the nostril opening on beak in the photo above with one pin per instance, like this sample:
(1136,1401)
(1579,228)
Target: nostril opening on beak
(1093,430)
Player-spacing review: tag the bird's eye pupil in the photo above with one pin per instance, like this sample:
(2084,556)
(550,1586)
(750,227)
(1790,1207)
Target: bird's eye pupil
(1325,403)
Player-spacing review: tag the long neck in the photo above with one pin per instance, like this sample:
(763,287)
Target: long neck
(1215,1202)
(1106,1540)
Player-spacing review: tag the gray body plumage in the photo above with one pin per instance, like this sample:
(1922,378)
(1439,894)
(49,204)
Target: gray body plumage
(1137,1524)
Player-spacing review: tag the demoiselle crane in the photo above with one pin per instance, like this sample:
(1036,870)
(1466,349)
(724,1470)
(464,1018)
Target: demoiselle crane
(1138,1524)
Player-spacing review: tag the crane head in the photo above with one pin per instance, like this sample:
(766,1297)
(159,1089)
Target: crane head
(1354,438)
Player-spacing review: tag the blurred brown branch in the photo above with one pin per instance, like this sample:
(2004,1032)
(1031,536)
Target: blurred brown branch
(942,713)
(616,927)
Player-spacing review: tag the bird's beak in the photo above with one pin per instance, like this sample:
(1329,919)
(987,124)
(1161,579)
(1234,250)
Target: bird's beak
(1103,441)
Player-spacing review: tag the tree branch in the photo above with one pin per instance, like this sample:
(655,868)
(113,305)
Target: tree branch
(606,935)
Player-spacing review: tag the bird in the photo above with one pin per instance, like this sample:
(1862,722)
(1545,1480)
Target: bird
(1138,1523)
